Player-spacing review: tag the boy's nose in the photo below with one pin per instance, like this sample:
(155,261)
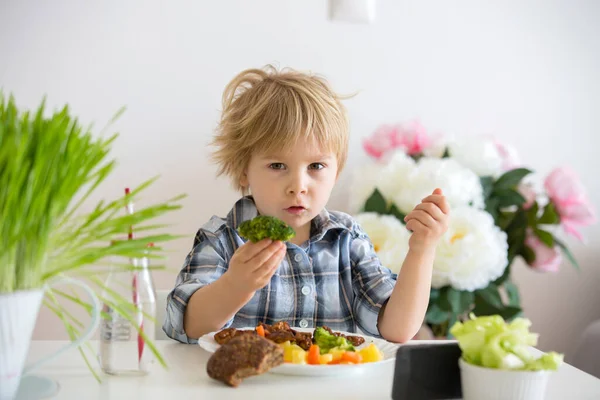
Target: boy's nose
(297,186)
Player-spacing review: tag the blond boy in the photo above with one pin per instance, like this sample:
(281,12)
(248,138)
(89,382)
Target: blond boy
(283,140)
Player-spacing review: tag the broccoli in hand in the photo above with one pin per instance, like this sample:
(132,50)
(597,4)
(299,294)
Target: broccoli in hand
(263,226)
(326,341)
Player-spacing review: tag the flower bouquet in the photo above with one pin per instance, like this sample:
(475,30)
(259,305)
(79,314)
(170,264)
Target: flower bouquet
(497,215)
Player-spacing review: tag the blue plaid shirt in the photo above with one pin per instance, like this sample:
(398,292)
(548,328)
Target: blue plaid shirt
(333,279)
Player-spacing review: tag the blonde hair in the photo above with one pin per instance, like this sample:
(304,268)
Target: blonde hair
(265,111)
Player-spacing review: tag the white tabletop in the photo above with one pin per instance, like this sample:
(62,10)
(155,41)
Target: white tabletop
(186,378)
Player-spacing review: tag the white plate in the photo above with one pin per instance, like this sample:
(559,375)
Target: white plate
(208,343)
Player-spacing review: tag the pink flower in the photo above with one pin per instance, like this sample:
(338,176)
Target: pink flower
(547,259)
(412,139)
(528,192)
(570,199)
(510,159)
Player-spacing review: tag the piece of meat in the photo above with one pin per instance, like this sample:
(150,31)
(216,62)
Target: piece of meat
(281,326)
(354,340)
(243,356)
(223,336)
(227,334)
(281,337)
(303,339)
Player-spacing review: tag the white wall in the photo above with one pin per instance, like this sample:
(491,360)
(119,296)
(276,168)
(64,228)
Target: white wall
(524,71)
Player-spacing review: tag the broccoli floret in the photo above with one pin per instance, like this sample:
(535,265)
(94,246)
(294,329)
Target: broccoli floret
(326,341)
(263,226)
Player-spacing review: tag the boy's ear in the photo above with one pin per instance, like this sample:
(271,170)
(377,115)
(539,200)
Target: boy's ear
(244,180)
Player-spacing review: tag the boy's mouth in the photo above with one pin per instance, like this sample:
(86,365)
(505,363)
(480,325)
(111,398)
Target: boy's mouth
(296,210)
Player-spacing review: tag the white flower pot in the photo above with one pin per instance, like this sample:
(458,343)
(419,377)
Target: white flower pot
(18,314)
(480,383)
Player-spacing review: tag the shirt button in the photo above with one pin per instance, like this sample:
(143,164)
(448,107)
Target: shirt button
(298,257)
(306,290)
(303,323)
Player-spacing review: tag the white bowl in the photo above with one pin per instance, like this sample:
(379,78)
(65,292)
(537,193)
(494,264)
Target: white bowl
(480,383)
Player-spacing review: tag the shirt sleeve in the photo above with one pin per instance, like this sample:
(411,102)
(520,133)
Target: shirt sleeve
(372,282)
(205,264)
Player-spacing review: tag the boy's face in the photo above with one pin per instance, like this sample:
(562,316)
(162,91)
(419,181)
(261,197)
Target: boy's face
(292,185)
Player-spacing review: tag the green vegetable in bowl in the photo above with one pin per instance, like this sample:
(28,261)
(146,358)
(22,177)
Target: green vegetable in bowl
(263,227)
(326,341)
(490,342)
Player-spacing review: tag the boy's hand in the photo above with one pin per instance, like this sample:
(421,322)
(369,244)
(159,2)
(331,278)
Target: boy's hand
(253,264)
(428,221)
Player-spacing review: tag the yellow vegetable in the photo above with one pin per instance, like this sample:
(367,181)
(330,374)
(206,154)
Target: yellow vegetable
(336,353)
(325,358)
(298,356)
(371,354)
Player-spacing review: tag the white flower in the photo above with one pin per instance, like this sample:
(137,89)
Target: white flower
(472,253)
(364,182)
(389,238)
(478,154)
(460,185)
(388,177)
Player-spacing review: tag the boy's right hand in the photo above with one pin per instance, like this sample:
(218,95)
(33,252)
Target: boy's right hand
(253,264)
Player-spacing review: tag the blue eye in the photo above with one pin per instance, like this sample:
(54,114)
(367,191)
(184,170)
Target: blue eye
(277,166)
(316,166)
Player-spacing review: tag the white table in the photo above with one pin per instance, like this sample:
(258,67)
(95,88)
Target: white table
(187,379)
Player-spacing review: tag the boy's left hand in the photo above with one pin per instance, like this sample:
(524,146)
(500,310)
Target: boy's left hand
(428,221)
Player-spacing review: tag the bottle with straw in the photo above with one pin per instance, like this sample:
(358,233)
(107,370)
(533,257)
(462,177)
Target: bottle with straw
(130,311)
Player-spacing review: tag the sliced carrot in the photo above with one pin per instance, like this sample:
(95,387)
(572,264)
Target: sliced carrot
(352,356)
(313,356)
(260,330)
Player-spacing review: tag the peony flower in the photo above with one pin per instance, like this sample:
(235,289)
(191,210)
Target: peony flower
(472,253)
(570,199)
(510,158)
(528,192)
(478,154)
(411,139)
(388,178)
(389,237)
(547,259)
(460,185)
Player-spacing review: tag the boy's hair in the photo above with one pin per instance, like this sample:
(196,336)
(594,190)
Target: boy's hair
(265,110)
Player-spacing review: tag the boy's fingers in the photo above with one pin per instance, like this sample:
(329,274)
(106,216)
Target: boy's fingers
(269,267)
(432,209)
(248,250)
(439,200)
(423,217)
(259,259)
(437,191)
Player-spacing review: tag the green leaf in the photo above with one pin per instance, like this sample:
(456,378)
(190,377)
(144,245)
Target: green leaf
(528,254)
(508,197)
(487,183)
(455,301)
(550,215)
(532,214)
(489,295)
(435,315)
(567,253)
(446,153)
(508,313)
(396,213)
(511,178)
(376,203)
(434,295)
(514,299)
(467,299)
(545,237)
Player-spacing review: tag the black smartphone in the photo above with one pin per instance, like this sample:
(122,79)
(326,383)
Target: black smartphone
(427,372)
